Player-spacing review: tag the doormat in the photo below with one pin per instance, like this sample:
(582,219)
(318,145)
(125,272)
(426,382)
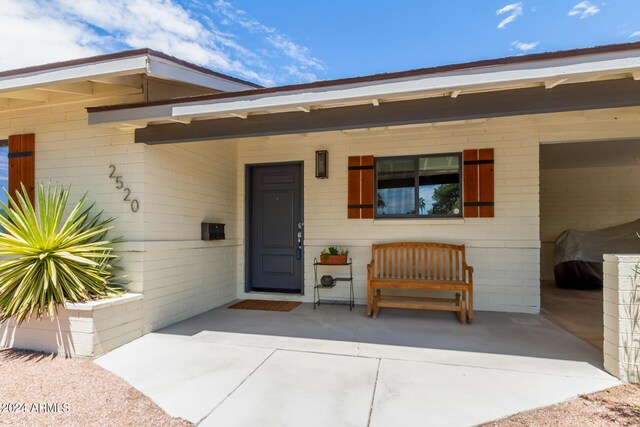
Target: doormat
(255,304)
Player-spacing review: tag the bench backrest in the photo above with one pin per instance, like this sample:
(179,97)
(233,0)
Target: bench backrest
(418,260)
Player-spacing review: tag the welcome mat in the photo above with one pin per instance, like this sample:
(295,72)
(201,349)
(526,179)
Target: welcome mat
(255,304)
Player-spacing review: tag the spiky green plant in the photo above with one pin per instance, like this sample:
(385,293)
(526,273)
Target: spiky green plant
(47,261)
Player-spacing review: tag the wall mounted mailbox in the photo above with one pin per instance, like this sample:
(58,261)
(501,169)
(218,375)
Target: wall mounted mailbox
(212,231)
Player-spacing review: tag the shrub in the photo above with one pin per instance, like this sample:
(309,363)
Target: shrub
(47,261)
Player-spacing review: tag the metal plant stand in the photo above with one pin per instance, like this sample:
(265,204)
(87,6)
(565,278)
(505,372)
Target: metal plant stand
(318,286)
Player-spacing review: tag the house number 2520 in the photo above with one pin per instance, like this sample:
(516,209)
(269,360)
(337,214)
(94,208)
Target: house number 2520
(120,186)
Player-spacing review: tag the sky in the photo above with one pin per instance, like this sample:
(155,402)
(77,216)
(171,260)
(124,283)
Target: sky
(276,42)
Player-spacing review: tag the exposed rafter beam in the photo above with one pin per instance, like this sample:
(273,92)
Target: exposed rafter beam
(304,109)
(80,88)
(375,102)
(239,115)
(553,83)
(28,95)
(456,93)
(131,125)
(134,81)
(636,75)
(183,120)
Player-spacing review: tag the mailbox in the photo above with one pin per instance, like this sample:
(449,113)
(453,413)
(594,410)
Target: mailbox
(212,231)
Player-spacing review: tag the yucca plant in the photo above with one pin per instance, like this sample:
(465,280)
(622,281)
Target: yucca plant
(47,261)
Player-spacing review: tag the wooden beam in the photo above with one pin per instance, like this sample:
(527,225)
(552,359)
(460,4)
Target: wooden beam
(80,88)
(636,75)
(28,95)
(375,102)
(239,115)
(554,83)
(184,121)
(304,109)
(575,97)
(456,93)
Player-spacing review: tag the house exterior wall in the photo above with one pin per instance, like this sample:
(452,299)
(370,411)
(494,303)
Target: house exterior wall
(584,199)
(177,187)
(504,250)
(186,184)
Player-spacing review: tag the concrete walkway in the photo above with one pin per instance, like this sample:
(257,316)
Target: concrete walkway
(340,368)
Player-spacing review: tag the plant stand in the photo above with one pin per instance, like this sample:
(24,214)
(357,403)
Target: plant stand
(318,286)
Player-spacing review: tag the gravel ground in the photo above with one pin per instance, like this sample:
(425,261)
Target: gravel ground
(617,406)
(38,389)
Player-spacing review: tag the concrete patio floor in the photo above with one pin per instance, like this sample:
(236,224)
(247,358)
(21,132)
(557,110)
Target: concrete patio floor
(335,367)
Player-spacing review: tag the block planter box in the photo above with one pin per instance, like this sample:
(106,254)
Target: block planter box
(88,329)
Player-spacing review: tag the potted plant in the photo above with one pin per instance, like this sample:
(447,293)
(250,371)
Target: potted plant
(333,255)
(48,260)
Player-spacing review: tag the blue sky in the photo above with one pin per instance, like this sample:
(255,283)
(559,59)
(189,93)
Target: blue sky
(278,42)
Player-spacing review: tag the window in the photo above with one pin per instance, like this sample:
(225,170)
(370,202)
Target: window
(419,186)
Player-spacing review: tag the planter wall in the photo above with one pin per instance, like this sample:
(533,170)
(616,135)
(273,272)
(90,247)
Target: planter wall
(81,329)
(621,295)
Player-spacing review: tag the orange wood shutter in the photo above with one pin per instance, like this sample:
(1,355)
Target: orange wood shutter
(353,199)
(22,164)
(478,183)
(366,188)
(470,183)
(360,179)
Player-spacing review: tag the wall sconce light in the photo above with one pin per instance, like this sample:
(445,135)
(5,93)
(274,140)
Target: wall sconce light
(322,164)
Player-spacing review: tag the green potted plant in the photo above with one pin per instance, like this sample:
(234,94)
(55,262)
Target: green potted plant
(48,259)
(333,255)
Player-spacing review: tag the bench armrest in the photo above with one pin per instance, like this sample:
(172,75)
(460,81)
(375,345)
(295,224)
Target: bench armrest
(468,267)
(370,269)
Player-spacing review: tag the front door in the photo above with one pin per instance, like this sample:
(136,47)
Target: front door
(275,228)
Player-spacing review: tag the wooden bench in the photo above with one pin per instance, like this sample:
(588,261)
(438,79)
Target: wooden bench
(420,266)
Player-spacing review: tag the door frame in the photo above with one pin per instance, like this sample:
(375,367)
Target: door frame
(248,169)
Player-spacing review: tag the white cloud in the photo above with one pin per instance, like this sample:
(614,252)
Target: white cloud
(634,35)
(514,10)
(584,9)
(524,46)
(44,31)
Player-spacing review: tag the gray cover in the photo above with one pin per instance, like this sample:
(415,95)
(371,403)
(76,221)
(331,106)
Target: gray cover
(578,254)
(589,246)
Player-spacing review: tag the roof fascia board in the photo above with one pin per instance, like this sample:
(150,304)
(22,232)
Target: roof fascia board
(470,79)
(133,65)
(165,69)
(538,100)
(467,79)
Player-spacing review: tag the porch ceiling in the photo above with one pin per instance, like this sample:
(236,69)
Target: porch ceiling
(574,97)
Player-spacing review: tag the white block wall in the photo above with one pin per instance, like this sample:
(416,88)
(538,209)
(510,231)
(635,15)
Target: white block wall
(584,199)
(503,250)
(80,330)
(622,317)
(186,184)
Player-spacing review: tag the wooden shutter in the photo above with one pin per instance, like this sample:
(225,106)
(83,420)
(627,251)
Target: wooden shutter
(360,196)
(22,164)
(478,186)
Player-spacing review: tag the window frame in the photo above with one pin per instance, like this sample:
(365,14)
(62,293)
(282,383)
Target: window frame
(416,186)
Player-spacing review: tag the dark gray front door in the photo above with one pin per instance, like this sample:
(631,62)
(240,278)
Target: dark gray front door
(275,218)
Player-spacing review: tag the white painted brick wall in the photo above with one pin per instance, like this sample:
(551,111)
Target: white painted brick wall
(622,317)
(503,250)
(584,199)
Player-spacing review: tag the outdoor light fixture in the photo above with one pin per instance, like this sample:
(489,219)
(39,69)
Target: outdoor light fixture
(322,164)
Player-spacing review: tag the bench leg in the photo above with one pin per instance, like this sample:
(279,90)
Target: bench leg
(376,306)
(369,308)
(470,310)
(461,304)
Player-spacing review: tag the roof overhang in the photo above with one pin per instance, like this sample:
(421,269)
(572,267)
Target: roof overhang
(548,71)
(93,76)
